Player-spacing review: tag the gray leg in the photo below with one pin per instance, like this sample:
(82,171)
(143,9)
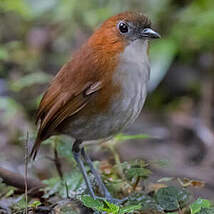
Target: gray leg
(97,176)
(77,156)
(77,153)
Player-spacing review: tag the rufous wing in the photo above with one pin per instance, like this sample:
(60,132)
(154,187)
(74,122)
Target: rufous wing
(57,105)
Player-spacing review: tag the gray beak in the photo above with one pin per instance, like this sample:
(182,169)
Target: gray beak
(149,33)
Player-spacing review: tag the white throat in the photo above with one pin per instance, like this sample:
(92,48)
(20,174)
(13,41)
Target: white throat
(134,62)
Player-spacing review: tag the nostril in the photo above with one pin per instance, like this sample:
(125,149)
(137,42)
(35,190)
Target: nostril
(150,33)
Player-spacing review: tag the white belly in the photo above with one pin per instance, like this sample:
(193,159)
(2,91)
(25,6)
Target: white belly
(133,73)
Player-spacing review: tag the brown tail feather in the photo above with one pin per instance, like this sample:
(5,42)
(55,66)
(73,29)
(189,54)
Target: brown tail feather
(35,149)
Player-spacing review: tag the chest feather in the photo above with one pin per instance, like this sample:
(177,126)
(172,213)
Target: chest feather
(134,68)
(133,75)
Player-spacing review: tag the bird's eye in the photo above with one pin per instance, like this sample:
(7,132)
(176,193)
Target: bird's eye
(123,27)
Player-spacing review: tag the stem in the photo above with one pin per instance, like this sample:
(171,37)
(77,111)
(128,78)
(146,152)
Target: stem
(136,183)
(26,172)
(117,159)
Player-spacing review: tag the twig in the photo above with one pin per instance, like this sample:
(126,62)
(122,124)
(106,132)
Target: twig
(112,147)
(18,181)
(136,183)
(59,168)
(57,162)
(26,173)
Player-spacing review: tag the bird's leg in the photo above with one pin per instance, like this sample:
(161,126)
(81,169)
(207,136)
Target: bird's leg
(102,187)
(77,153)
(77,156)
(97,176)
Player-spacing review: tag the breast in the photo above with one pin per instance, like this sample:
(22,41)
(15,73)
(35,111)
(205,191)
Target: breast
(132,75)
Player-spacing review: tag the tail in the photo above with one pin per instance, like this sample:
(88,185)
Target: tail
(35,148)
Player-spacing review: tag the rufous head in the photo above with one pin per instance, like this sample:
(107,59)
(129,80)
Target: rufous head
(121,29)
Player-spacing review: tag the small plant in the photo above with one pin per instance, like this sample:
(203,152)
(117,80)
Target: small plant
(128,180)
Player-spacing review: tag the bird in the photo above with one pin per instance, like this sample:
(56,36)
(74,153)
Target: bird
(100,91)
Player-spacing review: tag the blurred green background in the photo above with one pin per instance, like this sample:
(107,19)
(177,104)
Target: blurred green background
(38,37)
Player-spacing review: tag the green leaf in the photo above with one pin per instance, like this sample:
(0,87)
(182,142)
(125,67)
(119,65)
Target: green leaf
(172,198)
(10,192)
(137,168)
(4,55)
(20,203)
(206,211)
(147,202)
(198,204)
(18,6)
(74,182)
(9,108)
(100,205)
(111,208)
(129,208)
(64,147)
(123,137)
(29,80)
(137,172)
(34,204)
(92,203)
(68,210)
